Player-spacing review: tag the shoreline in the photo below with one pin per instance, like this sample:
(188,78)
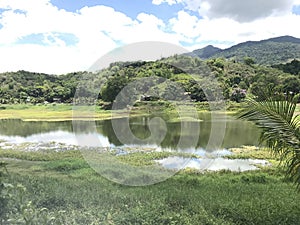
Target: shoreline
(64,112)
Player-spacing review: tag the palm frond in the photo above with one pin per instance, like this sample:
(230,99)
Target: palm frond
(280,129)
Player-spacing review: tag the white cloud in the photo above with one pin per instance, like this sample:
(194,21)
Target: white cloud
(224,32)
(38,58)
(185,25)
(296,2)
(192,5)
(100,29)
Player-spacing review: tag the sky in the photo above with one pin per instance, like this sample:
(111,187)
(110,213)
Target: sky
(62,36)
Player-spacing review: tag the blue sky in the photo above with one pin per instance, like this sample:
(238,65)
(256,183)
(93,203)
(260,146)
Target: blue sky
(130,7)
(60,36)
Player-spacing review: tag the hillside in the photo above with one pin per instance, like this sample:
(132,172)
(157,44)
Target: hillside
(292,67)
(235,79)
(265,52)
(207,52)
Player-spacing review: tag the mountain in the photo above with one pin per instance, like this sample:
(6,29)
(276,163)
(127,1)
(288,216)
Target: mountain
(265,52)
(207,52)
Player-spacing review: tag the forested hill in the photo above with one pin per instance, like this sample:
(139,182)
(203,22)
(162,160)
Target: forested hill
(207,52)
(235,78)
(266,52)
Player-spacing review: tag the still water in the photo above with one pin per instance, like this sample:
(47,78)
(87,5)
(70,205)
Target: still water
(125,136)
(168,134)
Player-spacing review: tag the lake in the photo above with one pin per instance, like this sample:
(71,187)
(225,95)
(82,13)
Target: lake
(236,132)
(205,141)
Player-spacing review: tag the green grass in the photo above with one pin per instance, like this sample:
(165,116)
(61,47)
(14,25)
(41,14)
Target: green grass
(251,152)
(63,112)
(145,159)
(40,156)
(66,165)
(58,112)
(74,193)
(249,198)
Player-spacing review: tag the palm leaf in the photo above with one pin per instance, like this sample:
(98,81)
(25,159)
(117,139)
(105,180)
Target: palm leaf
(280,129)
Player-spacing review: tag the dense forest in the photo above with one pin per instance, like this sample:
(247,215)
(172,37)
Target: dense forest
(237,79)
(293,67)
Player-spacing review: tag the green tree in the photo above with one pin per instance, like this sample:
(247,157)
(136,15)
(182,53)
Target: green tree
(196,92)
(291,84)
(280,129)
(173,92)
(293,67)
(113,87)
(249,61)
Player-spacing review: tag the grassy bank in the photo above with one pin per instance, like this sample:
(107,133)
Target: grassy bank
(72,193)
(64,112)
(58,112)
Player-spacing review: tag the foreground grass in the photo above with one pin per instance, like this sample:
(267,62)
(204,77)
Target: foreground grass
(73,193)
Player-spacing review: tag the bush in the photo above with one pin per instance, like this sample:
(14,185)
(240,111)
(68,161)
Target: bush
(3,195)
(67,165)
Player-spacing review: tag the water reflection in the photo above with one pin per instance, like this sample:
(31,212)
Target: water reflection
(16,127)
(59,136)
(237,132)
(216,164)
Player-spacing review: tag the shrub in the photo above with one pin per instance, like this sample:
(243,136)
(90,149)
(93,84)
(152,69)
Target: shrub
(3,194)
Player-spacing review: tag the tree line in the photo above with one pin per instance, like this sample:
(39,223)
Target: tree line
(236,79)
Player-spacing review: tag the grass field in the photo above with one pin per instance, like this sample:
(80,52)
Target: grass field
(64,112)
(59,112)
(61,188)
